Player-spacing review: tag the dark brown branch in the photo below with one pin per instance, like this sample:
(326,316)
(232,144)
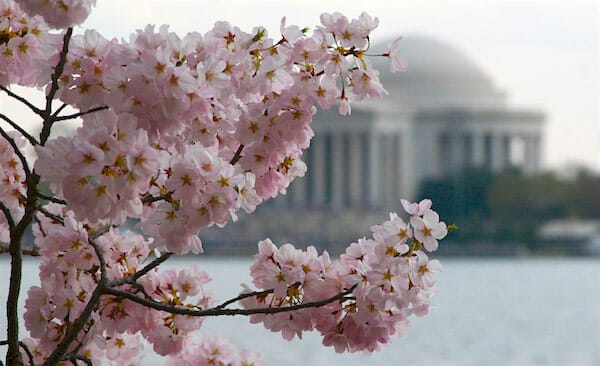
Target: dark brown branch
(50,215)
(17,152)
(46,197)
(76,327)
(219,311)
(148,198)
(237,156)
(101,259)
(59,109)
(243,296)
(25,348)
(139,274)
(58,71)
(33,108)
(80,114)
(9,218)
(16,126)
(99,232)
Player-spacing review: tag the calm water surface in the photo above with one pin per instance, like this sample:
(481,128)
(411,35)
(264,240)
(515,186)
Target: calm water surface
(489,312)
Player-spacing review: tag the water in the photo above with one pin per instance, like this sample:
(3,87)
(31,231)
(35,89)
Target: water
(489,312)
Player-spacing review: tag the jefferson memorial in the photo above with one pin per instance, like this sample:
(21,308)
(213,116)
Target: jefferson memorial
(442,116)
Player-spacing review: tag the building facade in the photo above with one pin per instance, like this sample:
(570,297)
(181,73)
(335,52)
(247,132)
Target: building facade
(443,115)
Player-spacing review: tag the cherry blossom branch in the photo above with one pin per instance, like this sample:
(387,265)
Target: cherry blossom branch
(58,70)
(9,218)
(237,156)
(11,94)
(101,259)
(13,356)
(25,348)
(148,198)
(244,296)
(131,279)
(79,114)
(50,215)
(220,311)
(59,109)
(16,126)
(18,152)
(51,198)
(72,331)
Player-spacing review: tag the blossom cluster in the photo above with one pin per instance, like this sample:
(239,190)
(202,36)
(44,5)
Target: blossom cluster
(12,182)
(70,272)
(384,280)
(60,13)
(201,126)
(27,49)
(213,350)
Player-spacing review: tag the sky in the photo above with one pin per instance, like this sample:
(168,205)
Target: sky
(544,54)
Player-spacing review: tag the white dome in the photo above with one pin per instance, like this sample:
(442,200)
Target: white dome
(438,76)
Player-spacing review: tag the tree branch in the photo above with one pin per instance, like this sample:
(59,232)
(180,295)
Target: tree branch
(58,71)
(220,311)
(243,296)
(33,108)
(79,114)
(61,349)
(148,198)
(25,348)
(237,156)
(16,126)
(51,198)
(9,218)
(59,109)
(18,152)
(139,274)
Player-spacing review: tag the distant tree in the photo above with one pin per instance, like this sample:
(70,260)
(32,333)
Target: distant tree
(583,195)
(521,203)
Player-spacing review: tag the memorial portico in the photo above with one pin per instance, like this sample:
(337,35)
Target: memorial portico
(443,115)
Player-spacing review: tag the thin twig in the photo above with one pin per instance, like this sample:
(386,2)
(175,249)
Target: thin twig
(50,215)
(33,108)
(148,198)
(25,348)
(220,312)
(61,349)
(58,71)
(59,109)
(18,152)
(80,114)
(16,126)
(9,218)
(99,232)
(131,279)
(244,296)
(101,259)
(237,156)
(46,197)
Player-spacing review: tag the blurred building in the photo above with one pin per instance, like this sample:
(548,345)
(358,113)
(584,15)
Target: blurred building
(441,116)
